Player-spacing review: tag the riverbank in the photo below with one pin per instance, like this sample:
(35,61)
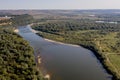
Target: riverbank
(16,30)
(37,58)
(61,42)
(102,60)
(35,31)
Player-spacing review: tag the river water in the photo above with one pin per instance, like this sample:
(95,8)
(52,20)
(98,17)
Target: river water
(65,62)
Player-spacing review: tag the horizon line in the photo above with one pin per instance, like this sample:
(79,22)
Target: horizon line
(61,9)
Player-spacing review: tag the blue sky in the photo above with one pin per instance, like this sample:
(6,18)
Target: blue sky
(59,4)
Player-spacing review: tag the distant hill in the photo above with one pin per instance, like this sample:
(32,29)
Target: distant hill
(32,12)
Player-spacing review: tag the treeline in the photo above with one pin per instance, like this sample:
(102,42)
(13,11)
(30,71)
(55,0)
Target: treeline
(17,60)
(61,26)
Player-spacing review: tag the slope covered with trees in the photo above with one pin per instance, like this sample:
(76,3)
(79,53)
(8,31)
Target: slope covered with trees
(17,60)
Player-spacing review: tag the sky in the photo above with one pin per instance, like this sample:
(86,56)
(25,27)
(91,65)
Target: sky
(59,4)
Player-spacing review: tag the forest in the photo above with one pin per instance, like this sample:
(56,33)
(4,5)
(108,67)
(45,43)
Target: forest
(17,61)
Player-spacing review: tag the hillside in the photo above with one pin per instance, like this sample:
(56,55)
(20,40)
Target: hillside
(17,61)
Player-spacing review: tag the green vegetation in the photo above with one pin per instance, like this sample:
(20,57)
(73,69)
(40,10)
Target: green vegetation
(102,38)
(20,20)
(4,23)
(75,25)
(16,20)
(17,61)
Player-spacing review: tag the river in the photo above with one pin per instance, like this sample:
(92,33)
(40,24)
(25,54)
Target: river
(65,62)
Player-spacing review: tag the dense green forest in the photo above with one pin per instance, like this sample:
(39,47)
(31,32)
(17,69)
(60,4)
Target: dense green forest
(102,38)
(75,25)
(17,61)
